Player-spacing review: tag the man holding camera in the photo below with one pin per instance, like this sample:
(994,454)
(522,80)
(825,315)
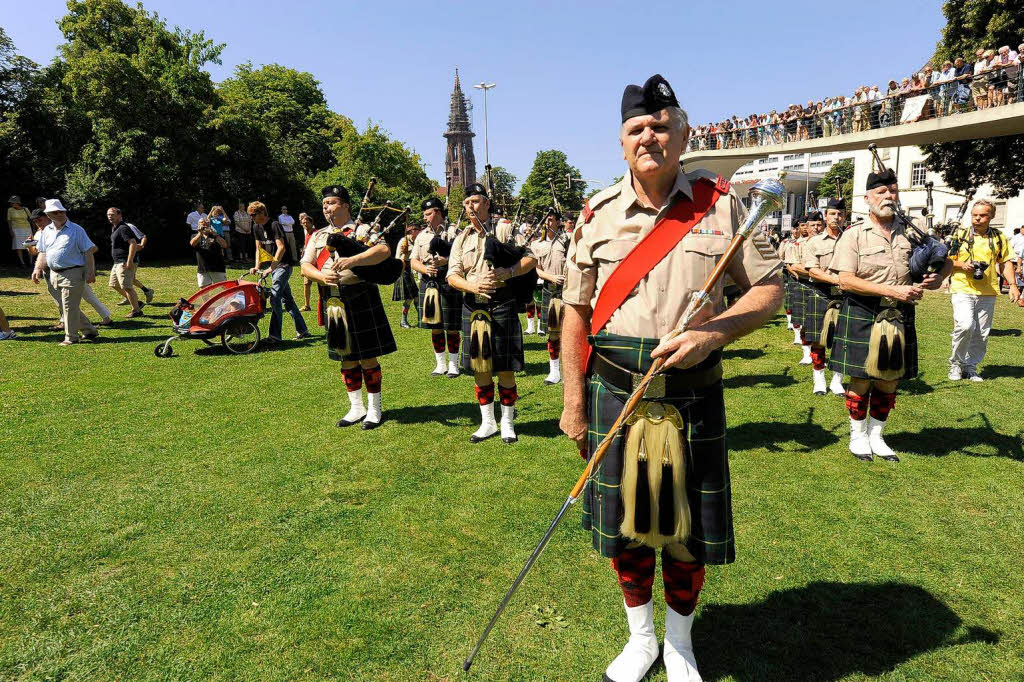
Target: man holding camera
(979,253)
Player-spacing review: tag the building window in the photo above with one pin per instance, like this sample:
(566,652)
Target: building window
(793,166)
(821,164)
(787,157)
(821,154)
(918,173)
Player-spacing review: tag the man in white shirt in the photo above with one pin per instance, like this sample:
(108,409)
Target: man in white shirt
(287,224)
(195,216)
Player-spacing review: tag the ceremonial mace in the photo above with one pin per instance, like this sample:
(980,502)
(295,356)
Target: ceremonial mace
(766,196)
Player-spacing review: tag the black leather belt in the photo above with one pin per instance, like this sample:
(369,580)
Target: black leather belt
(66,269)
(668,384)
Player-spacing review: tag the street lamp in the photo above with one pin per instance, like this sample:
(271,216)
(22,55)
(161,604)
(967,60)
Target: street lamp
(485,87)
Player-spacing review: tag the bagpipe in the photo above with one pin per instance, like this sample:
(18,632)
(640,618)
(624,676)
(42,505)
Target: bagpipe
(440,245)
(928,255)
(390,269)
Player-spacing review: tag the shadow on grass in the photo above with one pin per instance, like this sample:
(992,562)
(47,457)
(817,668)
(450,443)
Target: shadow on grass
(742,353)
(997,371)
(20,293)
(446,415)
(939,441)
(1005,332)
(916,386)
(808,435)
(760,380)
(827,631)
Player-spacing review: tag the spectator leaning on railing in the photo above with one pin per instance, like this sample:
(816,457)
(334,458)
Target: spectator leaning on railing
(979,252)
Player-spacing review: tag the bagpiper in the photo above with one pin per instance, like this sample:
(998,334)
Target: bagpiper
(492,342)
(824,298)
(550,252)
(350,308)
(440,304)
(798,286)
(664,482)
(876,337)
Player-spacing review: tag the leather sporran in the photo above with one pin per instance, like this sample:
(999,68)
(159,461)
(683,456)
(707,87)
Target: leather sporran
(554,315)
(887,345)
(829,324)
(481,352)
(339,338)
(655,509)
(431,304)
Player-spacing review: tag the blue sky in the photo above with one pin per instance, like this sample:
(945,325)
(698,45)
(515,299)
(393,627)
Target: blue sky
(559,67)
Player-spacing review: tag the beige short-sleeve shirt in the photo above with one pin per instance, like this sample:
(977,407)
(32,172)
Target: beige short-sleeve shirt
(551,255)
(317,242)
(467,256)
(421,247)
(791,255)
(818,251)
(619,222)
(865,252)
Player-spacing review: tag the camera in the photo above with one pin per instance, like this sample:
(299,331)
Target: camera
(979,269)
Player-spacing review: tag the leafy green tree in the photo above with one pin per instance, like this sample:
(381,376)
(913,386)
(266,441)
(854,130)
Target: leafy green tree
(971,24)
(456,194)
(504,190)
(536,191)
(843,173)
(18,85)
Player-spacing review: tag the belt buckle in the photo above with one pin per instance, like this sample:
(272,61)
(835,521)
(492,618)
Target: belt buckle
(836,291)
(655,389)
(888,302)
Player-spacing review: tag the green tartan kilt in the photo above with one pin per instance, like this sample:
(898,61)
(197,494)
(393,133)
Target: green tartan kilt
(707,462)
(549,292)
(815,304)
(367,320)
(853,333)
(787,304)
(405,287)
(797,298)
(451,303)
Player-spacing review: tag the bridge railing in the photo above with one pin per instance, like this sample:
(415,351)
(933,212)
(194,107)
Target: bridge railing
(997,87)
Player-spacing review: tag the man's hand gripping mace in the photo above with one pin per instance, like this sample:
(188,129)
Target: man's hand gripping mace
(766,196)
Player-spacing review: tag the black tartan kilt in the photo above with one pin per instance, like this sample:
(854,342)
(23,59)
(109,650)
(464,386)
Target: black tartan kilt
(815,304)
(708,486)
(506,334)
(367,321)
(786,302)
(853,332)
(405,288)
(549,292)
(451,304)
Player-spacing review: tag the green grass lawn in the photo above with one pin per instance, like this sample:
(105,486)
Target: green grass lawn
(201,517)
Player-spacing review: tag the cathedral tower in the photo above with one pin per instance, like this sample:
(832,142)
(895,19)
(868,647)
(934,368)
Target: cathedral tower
(459,162)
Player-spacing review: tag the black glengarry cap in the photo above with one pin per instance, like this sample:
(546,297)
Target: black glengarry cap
(335,191)
(879,179)
(652,97)
(476,189)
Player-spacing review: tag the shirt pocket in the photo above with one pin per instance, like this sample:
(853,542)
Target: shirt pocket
(874,259)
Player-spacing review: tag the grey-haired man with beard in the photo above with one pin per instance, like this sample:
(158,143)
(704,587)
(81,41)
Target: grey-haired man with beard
(876,340)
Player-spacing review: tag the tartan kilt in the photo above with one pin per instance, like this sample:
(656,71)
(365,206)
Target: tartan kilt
(506,334)
(708,486)
(548,293)
(815,304)
(796,301)
(850,350)
(786,299)
(367,321)
(451,303)
(405,287)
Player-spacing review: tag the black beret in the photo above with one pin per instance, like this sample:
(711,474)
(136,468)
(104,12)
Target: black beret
(432,202)
(555,212)
(838,204)
(814,216)
(655,95)
(476,189)
(801,220)
(37,214)
(335,191)
(879,179)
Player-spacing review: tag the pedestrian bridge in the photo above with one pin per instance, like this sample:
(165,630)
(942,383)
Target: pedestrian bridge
(992,122)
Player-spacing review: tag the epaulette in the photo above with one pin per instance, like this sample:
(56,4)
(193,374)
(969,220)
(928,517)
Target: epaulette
(720,183)
(604,195)
(586,213)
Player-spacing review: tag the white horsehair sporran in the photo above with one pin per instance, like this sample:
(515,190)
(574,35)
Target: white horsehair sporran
(339,338)
(431,304)
(481,352)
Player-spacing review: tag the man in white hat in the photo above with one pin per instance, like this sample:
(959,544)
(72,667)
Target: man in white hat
(66,249)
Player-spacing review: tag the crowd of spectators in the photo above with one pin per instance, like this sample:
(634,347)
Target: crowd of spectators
(991,79)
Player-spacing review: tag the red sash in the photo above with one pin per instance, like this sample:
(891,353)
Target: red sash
(639,262)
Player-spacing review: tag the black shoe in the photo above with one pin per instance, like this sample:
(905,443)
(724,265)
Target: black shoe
(509,441)
(477,439)
(889,458)
(453,376)
(369,426)
(821,393)
(865,458)
(405,325)
(344,422)
(90,337)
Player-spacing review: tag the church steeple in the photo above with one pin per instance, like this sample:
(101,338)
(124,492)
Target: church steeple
(460,162)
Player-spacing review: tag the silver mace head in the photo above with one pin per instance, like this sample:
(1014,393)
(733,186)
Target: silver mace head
(765,197)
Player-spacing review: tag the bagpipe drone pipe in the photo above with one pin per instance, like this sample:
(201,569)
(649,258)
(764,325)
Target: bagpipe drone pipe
(502,254)
(387,271)
(439,245)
